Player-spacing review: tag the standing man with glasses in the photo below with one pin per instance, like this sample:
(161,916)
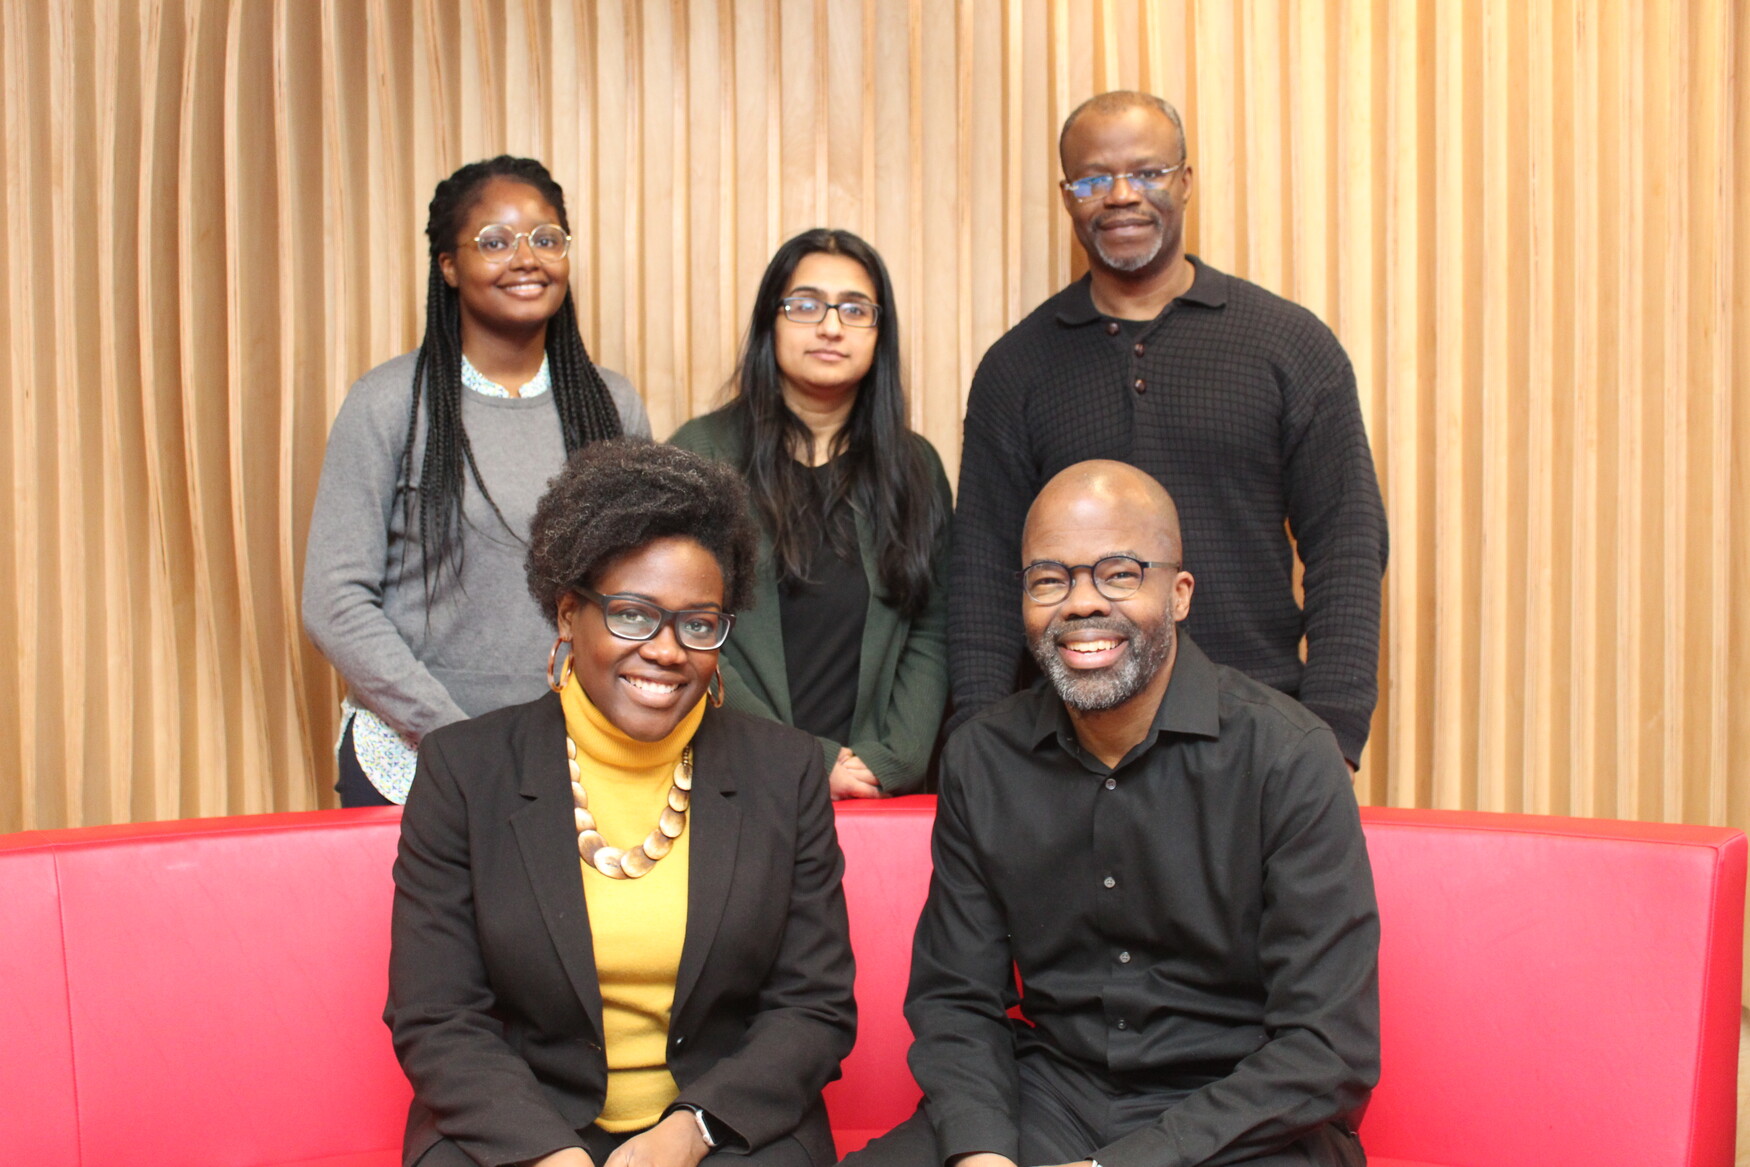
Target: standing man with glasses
(1240,403)
(1166,857)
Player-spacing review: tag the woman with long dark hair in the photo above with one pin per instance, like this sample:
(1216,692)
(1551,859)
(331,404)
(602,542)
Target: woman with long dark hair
(847,636)
(413,578)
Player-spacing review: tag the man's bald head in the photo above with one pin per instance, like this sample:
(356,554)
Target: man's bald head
(1103,494)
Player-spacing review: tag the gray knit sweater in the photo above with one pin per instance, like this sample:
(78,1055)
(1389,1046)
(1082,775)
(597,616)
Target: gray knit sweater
(481,643)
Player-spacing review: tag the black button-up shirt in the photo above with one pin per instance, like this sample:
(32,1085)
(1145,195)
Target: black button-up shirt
(1200,915)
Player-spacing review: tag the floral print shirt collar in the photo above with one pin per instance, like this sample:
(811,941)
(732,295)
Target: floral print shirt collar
(477,381)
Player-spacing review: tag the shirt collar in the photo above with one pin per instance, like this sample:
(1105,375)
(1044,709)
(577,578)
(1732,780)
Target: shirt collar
(480,383)
(1191,705)
(1208,288)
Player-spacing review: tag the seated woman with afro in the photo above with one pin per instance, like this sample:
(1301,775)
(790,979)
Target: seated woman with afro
(619,937)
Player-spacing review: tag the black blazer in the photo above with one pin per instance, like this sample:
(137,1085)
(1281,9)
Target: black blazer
(493,998)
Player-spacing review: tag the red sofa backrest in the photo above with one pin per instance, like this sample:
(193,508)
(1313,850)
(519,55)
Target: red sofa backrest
(887,875)
(1554,991)
(200,992)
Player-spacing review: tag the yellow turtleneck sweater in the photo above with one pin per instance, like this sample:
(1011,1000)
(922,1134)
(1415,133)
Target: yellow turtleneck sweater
(636,925)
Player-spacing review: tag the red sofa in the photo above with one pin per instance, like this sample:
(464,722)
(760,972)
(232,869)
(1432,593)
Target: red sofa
(1554,991)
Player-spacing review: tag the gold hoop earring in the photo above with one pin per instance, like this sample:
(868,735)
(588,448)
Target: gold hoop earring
(715,694)
(564,670)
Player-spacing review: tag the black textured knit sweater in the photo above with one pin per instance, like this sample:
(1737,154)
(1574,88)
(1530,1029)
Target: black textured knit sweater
(1244,406)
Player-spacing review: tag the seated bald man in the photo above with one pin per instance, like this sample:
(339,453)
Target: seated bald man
(1168,854)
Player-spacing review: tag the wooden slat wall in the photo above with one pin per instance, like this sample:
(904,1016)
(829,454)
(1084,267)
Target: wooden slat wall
(1529,223)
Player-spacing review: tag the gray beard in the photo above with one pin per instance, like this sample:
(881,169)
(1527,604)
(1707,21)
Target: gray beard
(1134,263)
(1110,687)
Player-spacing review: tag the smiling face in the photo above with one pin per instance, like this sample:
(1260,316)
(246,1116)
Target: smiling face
(824,362)
(645,687)
(1101,653)
(1127,232)
(519,295)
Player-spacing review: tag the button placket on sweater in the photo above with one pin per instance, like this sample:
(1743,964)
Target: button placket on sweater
(1136,371)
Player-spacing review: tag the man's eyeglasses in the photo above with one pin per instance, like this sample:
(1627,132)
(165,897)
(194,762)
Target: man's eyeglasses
(547,243)
(1098,186)
(1117,577)
(852,313)
(632,618)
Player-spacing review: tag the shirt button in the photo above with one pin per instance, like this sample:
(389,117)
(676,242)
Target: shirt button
(1122,1024)
(1139,350)
(1111,784)
(1139,386)
(1111,328)
(1124,958)
(1110,882)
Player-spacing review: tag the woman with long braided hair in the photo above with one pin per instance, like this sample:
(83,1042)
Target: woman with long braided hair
(413,579)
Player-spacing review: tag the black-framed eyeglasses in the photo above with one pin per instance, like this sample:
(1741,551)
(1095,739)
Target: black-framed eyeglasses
(497,242)
(1117,577)
(811,310)
(1098,186)
(635,618)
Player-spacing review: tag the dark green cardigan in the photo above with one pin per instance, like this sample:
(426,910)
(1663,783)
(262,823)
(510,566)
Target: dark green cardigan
(902,680)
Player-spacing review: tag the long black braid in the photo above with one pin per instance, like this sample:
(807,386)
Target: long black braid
(586,410)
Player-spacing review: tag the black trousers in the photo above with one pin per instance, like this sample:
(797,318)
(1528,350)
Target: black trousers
(354,788)
(1067,1114)
(784,1152)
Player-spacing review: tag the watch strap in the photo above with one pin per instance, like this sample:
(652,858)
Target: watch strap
(699,1116)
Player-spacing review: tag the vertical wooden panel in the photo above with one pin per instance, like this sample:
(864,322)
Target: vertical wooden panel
(302,262)
(1218,194)
(1591,495)
(1719,180)
(1631,675)
(1309,163)
(1499,275)
(167,492)
(1411,605)
(250,213)
(707,171)
(125,542)
(204,384)
(661,320)
(15,795)
(30,336)
(1264,131)
(525,87)
(76,402)
(1356,183)
(1455,635)
(1544,550)
(890,210)
(1734,334)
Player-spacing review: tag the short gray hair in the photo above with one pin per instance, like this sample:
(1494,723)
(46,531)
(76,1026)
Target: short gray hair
(1117,101)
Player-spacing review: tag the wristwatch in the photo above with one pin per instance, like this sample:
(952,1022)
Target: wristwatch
(699,1117)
